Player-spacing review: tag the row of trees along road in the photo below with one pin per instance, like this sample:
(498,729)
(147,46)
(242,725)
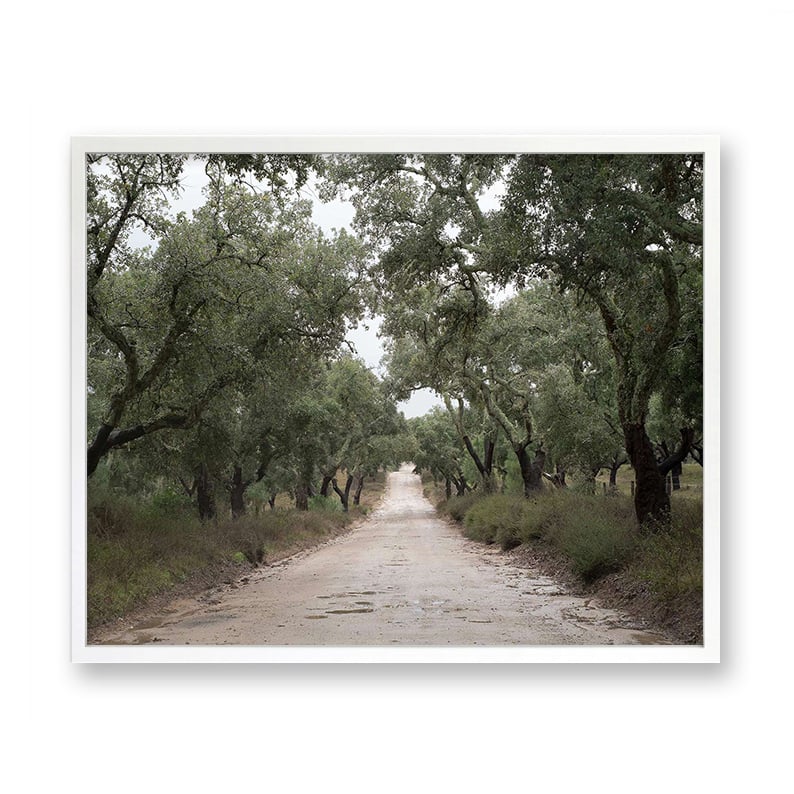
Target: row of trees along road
(565,318)
(216,354)
(553,302)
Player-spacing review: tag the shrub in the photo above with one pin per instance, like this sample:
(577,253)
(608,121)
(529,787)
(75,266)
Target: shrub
(541,516)
(670,562)
(327,504)
(596,545)
(170,501)
(458,506)
(596,534)
(495,519)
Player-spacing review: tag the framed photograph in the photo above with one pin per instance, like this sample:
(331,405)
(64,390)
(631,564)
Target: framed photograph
(396,399)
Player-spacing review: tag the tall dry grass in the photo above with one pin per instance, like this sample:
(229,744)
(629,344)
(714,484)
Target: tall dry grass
(138,547)
(597,534)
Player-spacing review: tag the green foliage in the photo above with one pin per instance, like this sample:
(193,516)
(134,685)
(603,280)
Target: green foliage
(169,501)
(511,519)
(595,540)
(437,449)
(671,561)
(597,534)
(604,251)
(496,519)
(230,327)
(235,299)
(457,506)
(325,504)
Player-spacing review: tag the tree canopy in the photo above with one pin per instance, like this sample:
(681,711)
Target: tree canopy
(553,302)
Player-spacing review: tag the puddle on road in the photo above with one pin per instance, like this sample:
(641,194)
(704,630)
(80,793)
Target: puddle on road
(347,611)
(351,593)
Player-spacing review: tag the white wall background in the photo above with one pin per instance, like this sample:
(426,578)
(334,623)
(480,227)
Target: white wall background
(354,67)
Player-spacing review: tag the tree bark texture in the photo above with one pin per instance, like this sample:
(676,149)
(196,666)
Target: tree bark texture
(531,469)
(237,492)
(484,468)
(326,484)
(359,489)
(301,496)
(651,502)
(344,496)
(205,493)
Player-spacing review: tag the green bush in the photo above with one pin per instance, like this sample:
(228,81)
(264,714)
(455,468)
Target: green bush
(328,504)
(595,533)
(598,535)
(458,506)
(670,561)
(496,519)
(596,544)
(170,501)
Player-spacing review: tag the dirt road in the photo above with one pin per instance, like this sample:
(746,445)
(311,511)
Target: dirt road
(404,577)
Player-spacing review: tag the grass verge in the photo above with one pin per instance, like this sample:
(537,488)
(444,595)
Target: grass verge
(139,551)
(592,542)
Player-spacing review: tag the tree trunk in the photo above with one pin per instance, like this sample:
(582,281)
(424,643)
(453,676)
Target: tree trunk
(237,492)
(301,496)
(460,484)
(98,448)
(697,452)
(448,487)
(614,467)
(651,502)
(272,501)
(189,489)
(344,496)
(675,475)
(531,470)
(672,464)
(559,477)
(359,489)
(205,494)
(325,484)
(485,469)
